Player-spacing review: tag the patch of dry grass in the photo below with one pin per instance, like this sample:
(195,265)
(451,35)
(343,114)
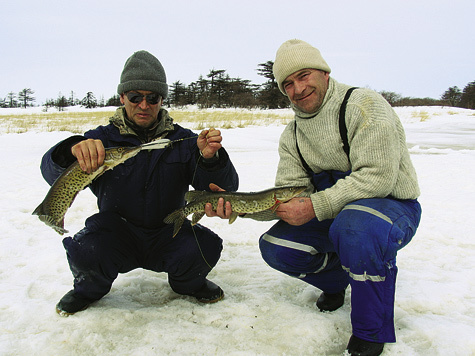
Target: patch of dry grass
(422,115)
(75,122)
(78,122)
(229,119)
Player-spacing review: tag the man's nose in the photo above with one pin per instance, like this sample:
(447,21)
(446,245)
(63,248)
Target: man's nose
(143,104)
(299,86)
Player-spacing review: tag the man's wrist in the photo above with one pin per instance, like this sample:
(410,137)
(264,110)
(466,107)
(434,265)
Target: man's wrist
(210,160)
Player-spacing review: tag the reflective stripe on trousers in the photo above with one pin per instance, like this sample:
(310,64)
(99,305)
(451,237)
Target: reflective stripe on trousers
(358,247)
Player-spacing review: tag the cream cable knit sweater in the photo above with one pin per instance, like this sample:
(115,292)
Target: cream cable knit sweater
(380,161)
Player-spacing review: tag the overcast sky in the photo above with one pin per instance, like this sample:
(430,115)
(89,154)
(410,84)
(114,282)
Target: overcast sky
(414,48)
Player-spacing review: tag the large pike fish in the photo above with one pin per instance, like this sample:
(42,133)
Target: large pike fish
(241,202)
(65,189)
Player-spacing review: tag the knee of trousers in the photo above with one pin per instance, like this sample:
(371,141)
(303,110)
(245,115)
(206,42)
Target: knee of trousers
(365,239)
(200,250)
(198,246)
(92,247)
(291,257)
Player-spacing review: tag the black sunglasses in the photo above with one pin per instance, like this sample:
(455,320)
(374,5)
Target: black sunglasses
(137,98)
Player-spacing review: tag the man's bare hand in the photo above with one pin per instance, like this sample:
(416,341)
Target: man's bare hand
(209,142)
(223,210)
(90,154)
(297,211)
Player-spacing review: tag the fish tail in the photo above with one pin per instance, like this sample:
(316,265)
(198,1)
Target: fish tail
(43,215)
(58,226)
(177,218)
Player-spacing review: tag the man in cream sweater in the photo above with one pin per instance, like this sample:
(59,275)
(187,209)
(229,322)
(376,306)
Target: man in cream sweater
(361,207)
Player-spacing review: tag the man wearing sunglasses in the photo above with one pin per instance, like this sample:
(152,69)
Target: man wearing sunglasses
(133,199)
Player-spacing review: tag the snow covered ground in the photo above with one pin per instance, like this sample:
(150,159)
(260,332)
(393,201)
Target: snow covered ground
(264,312)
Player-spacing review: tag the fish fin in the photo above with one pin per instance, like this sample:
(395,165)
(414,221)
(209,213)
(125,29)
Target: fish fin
(49,221)
(196,217)
(177,225)
(193,194)
(39,210)
(170,218)
(177,218)
(233,217)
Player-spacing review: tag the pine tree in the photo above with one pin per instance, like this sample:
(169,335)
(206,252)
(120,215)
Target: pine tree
(270,96)
(468,96)
(452,95)
(26,97)
(89,101)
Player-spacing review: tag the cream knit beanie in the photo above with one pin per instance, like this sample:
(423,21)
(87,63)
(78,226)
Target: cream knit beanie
(294,55)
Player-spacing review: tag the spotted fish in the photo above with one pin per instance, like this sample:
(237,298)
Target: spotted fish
(68,185)
(241,202)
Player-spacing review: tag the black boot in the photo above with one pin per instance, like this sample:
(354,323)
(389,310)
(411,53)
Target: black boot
(72,303)
(209,293)
(331,302)
(359,347)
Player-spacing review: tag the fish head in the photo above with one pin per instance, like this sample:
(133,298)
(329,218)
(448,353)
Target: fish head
(121,154)
(284,194)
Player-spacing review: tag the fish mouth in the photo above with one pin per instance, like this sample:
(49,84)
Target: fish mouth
(300,190)
(294,192)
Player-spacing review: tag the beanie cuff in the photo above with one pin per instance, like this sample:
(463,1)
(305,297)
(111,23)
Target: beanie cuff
(140,84)
(295,55)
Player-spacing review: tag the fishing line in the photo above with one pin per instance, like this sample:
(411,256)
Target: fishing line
(192,227)
(199,247)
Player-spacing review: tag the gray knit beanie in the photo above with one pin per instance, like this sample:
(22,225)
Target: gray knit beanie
(142,71)
(294,55)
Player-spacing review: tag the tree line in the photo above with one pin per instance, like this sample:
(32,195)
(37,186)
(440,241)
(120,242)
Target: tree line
(451,97)
(25,99)
(219,90)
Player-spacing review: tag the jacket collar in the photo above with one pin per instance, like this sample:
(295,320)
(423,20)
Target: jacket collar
(127,128)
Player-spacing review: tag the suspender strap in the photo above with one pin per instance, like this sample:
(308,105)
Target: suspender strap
(343,130)
(304,163)
(342,124)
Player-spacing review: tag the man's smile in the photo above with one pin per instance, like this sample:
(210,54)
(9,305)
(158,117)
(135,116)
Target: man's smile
(305,96)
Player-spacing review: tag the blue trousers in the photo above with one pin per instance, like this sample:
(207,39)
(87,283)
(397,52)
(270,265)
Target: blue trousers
(359,248)
(109,245)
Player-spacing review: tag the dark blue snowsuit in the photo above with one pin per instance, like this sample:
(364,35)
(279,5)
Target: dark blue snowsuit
(133,199)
